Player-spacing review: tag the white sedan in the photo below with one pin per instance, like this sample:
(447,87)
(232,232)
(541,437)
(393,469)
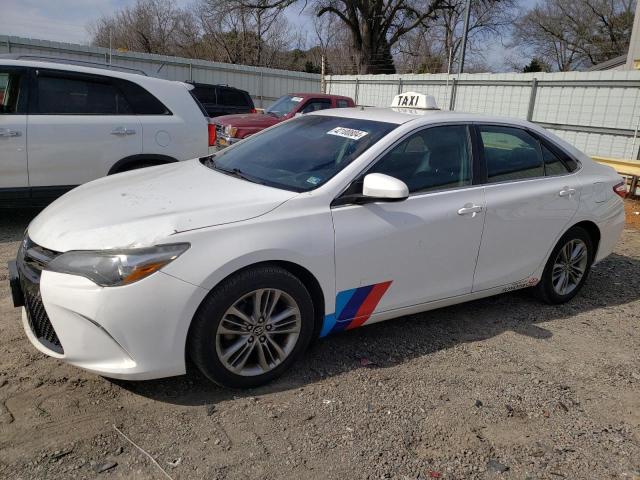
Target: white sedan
(324,223)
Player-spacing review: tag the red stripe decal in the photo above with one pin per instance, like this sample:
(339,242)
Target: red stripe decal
(369,305)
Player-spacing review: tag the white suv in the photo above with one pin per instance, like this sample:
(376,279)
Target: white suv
(62,125)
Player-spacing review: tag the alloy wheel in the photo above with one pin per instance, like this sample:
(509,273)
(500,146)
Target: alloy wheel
(569,267)
(258,332)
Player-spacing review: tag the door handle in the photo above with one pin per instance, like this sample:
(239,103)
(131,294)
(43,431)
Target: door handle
(5,132)
(470,208)
(122,131)
(567,192)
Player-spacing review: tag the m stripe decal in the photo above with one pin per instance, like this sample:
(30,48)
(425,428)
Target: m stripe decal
(354,307)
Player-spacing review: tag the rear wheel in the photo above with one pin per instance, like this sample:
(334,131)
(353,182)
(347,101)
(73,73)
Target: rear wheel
(567,268)
(251,328)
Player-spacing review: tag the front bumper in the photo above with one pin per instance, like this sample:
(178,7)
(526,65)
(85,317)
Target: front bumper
(133,332)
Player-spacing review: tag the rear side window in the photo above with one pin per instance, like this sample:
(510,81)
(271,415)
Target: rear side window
(510,154)
(12,95)
(59,95)
(232,98)
(205,94)
(552,163)
(342,104)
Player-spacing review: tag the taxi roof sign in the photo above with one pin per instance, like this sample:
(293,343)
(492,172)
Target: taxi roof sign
(414,100)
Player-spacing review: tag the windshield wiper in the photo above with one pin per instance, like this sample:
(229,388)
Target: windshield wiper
(235,172)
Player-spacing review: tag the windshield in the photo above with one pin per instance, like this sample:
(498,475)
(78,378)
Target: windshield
(284,105)
(300,154)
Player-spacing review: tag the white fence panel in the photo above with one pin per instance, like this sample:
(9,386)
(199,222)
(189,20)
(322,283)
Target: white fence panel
(598,112)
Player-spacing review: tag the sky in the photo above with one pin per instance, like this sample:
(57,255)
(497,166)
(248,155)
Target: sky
(67,20)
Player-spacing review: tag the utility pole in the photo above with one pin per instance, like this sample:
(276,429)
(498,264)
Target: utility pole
(323,82)
(109,45)
(467,13)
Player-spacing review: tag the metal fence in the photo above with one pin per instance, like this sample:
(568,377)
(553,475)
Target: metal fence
(598,112)
(263,84)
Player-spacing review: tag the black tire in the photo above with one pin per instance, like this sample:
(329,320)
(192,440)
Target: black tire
(202,333)
(545,290)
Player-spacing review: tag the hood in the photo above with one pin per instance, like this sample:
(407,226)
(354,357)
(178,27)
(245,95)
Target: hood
(257,120)
(144,207)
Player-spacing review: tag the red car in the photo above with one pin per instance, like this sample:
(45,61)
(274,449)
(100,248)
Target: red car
(231,128)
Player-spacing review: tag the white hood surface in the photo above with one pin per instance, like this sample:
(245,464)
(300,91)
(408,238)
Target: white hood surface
(144,207)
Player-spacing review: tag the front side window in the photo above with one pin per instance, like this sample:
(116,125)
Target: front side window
(301,154)
(510,154)
(60,95)
(435,158)
(314,105)
(11,95)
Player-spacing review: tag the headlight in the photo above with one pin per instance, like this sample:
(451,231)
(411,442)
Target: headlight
(110,268)
(230,131)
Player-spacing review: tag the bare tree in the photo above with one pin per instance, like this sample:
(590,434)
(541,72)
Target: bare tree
(428,50)
(251,35)
(376,26)
(150,26)
(573,34)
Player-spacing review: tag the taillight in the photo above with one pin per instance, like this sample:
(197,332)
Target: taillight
(253,110)
(620,189)
(212,134)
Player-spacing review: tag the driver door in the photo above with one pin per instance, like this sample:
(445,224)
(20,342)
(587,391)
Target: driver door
(391,255)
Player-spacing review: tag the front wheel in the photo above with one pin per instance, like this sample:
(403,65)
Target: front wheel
(567,268)
(251,328)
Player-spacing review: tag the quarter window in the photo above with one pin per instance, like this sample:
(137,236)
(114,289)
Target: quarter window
(552,164)
(510,154)
(433,159)
(342,104)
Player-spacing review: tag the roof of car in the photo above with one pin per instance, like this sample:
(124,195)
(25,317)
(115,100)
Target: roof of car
(404,115)
(135,77)
(319,95)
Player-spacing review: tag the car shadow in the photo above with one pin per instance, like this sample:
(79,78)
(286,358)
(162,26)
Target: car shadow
(14,221)
(615,281)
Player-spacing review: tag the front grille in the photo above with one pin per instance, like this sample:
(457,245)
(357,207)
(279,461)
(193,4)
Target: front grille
(39,321)
(32,259)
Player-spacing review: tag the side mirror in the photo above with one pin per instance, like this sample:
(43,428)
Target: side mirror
(378,186)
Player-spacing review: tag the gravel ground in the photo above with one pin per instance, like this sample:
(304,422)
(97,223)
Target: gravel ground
(499,388)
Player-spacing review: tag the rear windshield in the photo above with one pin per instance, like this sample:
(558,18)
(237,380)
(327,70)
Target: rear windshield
(301,154)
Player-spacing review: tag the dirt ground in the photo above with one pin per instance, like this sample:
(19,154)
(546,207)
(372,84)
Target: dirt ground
(499,388)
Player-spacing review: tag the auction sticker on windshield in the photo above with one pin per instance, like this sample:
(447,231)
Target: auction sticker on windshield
(296,99)
(349,133)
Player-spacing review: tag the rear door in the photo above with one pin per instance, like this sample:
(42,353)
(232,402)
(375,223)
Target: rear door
(79,126)
(14,179)
(530,199)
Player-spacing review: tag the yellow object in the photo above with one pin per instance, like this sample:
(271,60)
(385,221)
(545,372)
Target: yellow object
(626,167)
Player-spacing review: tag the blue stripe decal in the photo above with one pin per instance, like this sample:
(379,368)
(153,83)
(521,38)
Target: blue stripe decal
(354,303)
(330,320)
